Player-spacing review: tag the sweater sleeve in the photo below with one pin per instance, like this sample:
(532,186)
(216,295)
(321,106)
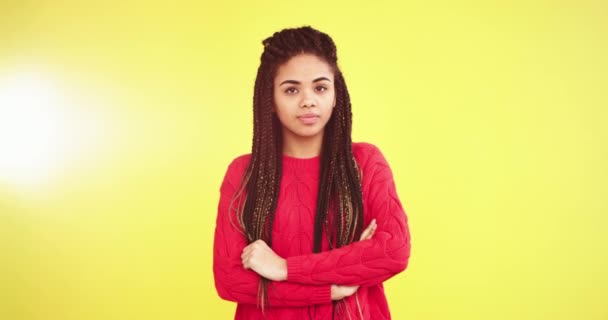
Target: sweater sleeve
(235,283)
(366,262)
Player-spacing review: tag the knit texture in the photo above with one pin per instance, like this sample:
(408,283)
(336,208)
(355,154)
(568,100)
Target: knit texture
(306,294)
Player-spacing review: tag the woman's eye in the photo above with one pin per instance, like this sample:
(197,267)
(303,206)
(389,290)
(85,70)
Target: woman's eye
(293,90)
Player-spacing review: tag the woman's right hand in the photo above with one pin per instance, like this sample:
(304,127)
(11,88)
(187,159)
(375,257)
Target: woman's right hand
(340,292)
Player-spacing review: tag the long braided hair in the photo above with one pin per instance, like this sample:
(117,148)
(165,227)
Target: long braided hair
(339,211)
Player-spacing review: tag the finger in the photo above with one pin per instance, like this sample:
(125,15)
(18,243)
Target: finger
(246,249)
(373,225)
(245,252)
(374,228)
(368,232)
(250,247)
(261,243)
(246,257)
(246,261)
(258,244)
(365,235)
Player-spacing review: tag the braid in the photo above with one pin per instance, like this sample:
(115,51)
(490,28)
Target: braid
(339,209)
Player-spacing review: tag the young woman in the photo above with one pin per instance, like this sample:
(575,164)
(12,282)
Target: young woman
(309,223)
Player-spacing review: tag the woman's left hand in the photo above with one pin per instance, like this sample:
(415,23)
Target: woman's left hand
(258,257)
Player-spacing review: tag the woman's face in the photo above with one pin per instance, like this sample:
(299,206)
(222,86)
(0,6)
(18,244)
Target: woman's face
(304,96)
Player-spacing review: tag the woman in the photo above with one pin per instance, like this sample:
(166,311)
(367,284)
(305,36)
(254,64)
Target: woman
(290,241)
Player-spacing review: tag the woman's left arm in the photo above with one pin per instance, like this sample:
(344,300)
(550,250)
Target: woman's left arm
(367,262)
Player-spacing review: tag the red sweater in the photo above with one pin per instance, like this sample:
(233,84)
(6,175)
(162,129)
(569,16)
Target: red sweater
(310,275)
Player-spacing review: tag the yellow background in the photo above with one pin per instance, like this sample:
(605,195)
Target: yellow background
(493,116)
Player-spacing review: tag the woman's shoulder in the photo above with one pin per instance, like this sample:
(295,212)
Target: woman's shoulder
(366,153)
(236,168)
(239,163)
(372,163)
(364,147)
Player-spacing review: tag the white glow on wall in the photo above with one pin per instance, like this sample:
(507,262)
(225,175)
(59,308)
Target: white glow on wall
(41,130)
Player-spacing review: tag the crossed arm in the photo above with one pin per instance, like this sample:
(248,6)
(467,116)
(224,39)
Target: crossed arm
(237,277)
(313,278)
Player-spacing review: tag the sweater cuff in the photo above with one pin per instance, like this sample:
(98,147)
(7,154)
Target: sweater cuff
(321,295)
(295,270)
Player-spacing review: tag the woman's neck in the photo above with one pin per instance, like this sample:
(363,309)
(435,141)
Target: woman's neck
(302,147)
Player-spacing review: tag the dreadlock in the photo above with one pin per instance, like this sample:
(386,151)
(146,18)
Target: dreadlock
(339,211)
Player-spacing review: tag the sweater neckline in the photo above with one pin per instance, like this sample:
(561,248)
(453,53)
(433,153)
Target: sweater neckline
(301,163)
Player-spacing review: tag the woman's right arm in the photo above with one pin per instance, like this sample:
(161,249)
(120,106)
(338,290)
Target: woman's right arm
(235,283)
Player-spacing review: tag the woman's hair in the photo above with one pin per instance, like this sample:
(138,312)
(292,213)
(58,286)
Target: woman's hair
(339,212)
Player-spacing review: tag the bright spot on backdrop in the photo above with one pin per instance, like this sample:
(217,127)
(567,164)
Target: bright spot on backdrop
(40,131)
(118,120)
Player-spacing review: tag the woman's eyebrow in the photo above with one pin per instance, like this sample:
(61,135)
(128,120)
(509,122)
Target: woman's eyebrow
(298,82)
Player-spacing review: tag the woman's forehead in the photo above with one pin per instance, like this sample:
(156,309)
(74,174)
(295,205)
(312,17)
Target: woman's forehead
(304,67)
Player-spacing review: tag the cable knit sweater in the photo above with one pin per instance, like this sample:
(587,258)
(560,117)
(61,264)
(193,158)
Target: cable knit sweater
(306,294)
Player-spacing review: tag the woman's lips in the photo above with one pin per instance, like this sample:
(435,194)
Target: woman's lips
(309,119)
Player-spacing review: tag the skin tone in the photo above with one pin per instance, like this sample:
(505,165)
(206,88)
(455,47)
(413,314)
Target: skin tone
(304,85)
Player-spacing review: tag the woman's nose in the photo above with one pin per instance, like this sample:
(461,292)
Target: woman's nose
(308,100)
